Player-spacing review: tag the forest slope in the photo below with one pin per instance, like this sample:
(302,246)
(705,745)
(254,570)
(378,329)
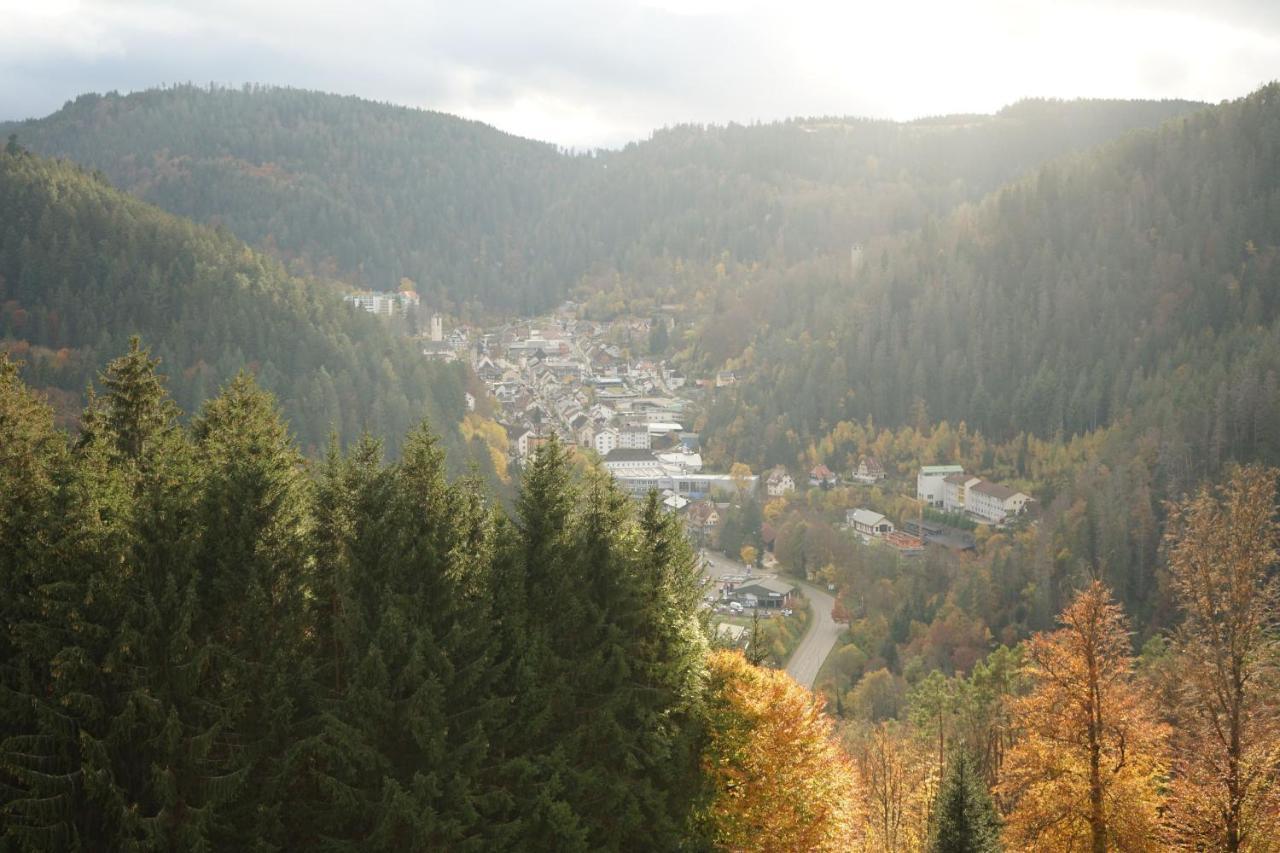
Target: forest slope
(1136,281)
(84,266)
(373,192)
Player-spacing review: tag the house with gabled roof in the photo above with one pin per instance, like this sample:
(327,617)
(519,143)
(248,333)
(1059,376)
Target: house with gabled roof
(869,471)
(779,482)
(821,475)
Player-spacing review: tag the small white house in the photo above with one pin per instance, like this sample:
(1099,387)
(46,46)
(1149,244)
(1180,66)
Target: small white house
(868,523)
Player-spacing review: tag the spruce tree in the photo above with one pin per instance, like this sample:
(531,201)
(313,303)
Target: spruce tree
(250,559)
(965,820)
(137,407)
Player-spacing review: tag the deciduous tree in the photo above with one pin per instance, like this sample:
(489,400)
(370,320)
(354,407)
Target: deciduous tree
(779,781)
(1085,769)
(1222,547)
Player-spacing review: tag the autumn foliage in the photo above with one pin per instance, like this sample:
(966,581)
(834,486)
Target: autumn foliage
(779,780)
(1084,772)
(1222,546)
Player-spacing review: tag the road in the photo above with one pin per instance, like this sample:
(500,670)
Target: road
(818,641)
(823,631)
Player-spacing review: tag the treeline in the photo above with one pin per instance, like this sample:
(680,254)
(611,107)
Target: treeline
(481,220)
(209,643)
(1109,286)
(84,266)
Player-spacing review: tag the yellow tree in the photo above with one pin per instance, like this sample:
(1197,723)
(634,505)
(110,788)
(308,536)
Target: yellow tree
(897,783)
(1225,794)
(779,781)
(1084,770)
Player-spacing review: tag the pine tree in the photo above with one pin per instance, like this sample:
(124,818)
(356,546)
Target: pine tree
(137,408)
(335,773)
(965,819)
(66,583)
(250,559)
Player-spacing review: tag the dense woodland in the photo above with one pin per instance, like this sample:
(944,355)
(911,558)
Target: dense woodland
(83,267)
(476,217)
(210,644)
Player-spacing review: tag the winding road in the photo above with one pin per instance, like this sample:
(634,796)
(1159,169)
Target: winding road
(818,640)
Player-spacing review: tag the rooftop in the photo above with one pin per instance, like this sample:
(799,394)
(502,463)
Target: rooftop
(941,469)
(866,516)
(995,490)
(773,585)
(627,454)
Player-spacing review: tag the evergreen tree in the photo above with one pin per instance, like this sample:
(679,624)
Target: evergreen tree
(965,819)
(250,560)
(136,405)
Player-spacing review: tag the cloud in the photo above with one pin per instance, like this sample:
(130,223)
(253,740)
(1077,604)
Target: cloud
(602,73)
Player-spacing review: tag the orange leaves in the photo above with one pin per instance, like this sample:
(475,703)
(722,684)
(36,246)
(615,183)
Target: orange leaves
(780,781)
(1084,772)
(1222,546)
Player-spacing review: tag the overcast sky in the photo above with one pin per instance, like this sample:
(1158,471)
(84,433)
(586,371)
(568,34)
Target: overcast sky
(587,74)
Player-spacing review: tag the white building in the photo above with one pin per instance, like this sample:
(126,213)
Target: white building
(606,441)
(523,443)
(955,490)
(437,328)
(639,471)
(779,482)
(868,523)
(635,437)
(994,502)
(929,482)
(687,461)
(382,303)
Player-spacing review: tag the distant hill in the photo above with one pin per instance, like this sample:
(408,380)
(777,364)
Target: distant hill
(372,192)
(1136,283)
(83,266)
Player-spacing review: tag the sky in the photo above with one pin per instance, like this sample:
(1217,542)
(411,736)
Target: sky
(600,74)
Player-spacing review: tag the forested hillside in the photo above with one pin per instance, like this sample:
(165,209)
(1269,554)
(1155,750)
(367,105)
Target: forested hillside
(206,644)
(373,193)
(1124,283)
(84,266)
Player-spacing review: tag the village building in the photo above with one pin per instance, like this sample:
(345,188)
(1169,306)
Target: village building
(606,441)
(995,503)
(779,483)
(821,475)
(868,523)
(764,593)
(929,483)
(955,490)
(869,471)
(635,437)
